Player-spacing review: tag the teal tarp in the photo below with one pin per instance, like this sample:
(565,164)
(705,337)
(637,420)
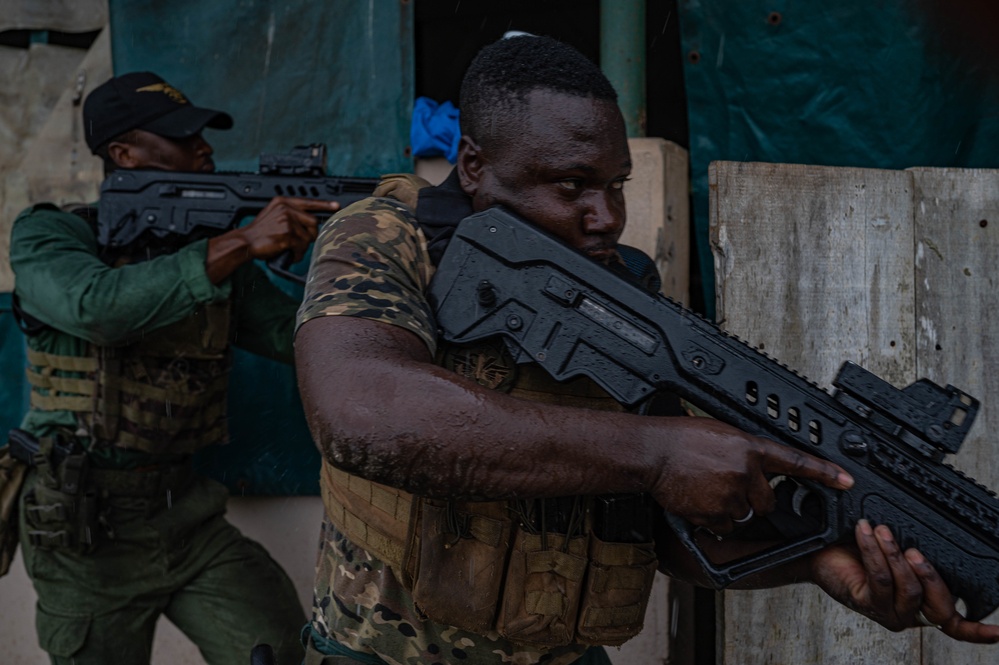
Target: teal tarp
(290,73)
(294,72)
(845,83)
(14,386)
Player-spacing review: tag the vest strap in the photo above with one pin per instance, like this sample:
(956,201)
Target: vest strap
(167,423)
(61,402)
(172,395)
(126,439)
(46,380)
(64,363)
(373,516)
(612,617)
(159,481)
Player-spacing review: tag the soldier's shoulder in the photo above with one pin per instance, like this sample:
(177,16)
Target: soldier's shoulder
(403,187)
(375,219)
(40,210)
(44,217)
(378,206)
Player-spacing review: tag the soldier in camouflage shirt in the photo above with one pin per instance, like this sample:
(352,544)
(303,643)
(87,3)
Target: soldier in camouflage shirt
(403,436)
(374,264)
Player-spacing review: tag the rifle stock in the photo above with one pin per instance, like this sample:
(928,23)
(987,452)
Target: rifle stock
(555,306)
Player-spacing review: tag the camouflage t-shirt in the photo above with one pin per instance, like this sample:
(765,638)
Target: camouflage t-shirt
(371,261)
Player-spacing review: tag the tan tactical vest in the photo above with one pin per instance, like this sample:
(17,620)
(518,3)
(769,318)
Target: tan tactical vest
(164,394)
(481,566)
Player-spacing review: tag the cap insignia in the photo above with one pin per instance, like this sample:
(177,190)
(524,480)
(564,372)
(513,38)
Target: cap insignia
(167,89)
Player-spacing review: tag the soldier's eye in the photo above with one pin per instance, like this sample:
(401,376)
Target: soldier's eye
(572,184)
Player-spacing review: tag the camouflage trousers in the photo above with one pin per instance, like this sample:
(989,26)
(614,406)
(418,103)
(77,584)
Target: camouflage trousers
(325,651)
(177,557)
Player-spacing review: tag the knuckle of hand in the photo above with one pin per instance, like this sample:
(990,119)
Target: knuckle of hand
(882,579)
(799,460)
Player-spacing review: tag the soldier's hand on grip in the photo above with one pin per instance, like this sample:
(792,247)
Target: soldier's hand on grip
(715,475)
(286,224)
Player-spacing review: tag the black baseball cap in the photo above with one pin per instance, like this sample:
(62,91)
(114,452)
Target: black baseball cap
(143,100)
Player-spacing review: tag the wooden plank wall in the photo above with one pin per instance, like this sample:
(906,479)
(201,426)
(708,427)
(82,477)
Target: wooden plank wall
(893,270)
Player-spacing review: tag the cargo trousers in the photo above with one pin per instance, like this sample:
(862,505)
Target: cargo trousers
(168,555)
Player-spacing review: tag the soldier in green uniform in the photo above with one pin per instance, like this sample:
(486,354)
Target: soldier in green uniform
(461,488)
(128,364)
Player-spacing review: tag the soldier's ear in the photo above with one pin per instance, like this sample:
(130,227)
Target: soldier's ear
(470,165)
(123,154)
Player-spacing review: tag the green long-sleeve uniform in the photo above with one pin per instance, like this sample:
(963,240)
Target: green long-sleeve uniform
(157,552)
(62,282)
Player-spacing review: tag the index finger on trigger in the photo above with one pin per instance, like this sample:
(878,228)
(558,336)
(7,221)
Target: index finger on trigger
(799,464)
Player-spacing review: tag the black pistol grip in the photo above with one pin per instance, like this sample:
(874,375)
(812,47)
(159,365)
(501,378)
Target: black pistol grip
(725,574)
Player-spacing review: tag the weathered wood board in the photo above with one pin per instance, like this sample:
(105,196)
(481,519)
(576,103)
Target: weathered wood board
(889,269)
(957,325)
(658,224)
(657,199)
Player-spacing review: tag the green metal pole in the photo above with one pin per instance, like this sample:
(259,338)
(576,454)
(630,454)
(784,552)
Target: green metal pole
(622,57)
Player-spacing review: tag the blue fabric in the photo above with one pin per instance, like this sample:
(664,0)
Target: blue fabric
(434,130)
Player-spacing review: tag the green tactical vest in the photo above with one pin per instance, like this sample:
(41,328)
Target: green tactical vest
(164,394)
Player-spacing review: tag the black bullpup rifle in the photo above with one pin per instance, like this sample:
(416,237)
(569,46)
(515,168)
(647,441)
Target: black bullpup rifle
(501,276)
(172,207)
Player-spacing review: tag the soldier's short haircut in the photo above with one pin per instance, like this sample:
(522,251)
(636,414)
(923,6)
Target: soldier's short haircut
(497,83)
